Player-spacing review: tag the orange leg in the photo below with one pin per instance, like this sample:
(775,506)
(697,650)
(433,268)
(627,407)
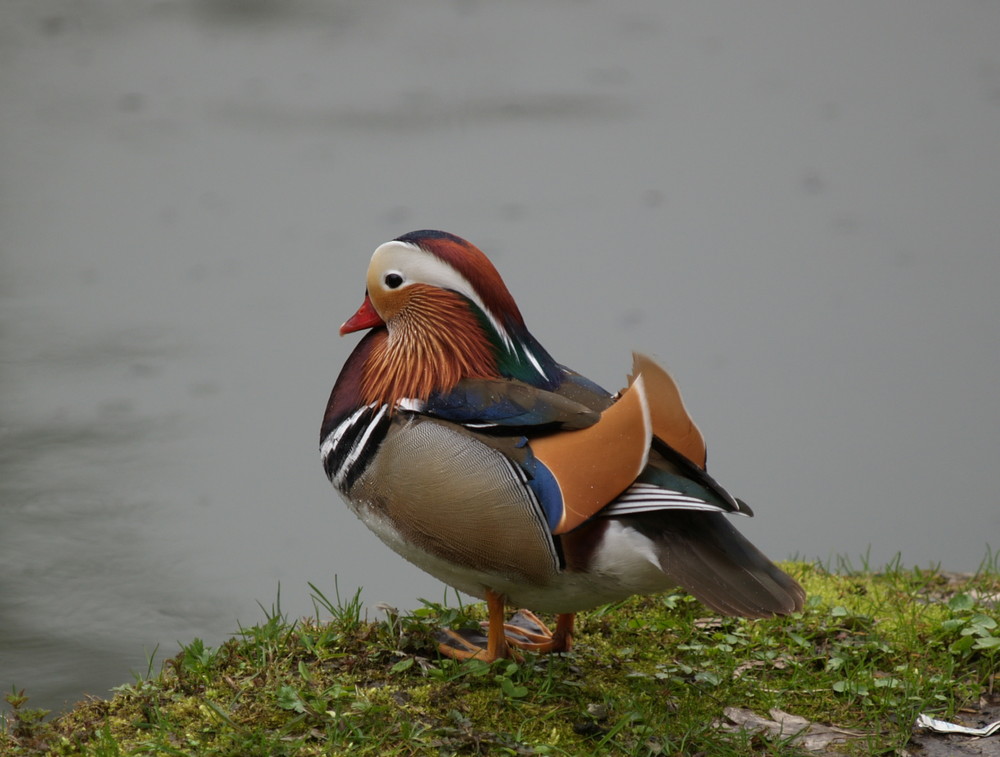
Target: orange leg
(524,631)
(459,648)
(563,637)
(496,641)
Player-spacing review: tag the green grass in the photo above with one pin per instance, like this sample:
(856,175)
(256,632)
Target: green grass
(648,676)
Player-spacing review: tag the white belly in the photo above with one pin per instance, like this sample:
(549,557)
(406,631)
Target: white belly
(623,565)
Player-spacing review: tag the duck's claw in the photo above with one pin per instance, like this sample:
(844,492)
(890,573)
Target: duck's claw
(524,630)
(468,644)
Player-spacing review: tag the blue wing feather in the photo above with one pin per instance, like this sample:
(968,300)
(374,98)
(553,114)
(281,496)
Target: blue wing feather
(505,403)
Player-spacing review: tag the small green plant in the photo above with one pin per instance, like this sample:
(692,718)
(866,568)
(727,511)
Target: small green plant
(197,659)
(24,723)
(976,631)
(508,678)
(348,614)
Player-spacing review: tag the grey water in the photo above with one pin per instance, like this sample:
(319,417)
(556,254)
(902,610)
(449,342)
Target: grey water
(791,205)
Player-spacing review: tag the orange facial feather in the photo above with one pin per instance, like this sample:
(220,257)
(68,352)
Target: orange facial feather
(434,341)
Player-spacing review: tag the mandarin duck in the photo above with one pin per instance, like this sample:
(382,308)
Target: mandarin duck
(455,436)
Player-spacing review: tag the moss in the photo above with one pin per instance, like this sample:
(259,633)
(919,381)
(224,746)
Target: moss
(647,676)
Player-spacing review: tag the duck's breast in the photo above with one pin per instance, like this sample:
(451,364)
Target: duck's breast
(452,504)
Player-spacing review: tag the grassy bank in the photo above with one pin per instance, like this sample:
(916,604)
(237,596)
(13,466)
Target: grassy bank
(647,676)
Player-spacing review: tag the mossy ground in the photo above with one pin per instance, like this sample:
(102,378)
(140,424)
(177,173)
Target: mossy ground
(647,676)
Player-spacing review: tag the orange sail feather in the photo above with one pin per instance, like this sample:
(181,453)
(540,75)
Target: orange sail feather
(594,465)
(671,422)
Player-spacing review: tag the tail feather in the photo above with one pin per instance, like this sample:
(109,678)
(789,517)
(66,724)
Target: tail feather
(706,555)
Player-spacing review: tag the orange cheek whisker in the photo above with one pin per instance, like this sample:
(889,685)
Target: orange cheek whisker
(434,342)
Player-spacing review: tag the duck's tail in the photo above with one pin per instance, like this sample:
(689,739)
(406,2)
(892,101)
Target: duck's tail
(704,553)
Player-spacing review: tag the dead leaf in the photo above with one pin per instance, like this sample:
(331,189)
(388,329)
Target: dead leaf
(813,737)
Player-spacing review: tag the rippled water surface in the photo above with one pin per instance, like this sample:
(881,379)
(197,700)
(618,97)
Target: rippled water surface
(794,207)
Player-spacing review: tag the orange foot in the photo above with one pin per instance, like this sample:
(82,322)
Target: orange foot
(523,631)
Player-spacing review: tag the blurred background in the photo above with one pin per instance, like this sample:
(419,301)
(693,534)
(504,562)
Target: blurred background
(794,206)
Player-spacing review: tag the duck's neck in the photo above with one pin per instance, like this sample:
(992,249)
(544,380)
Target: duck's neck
(430,346)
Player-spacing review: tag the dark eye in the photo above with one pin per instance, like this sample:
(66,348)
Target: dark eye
(393,280)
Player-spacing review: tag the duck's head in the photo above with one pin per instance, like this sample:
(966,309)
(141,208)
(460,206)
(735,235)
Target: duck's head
(448,315)
(432,265)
